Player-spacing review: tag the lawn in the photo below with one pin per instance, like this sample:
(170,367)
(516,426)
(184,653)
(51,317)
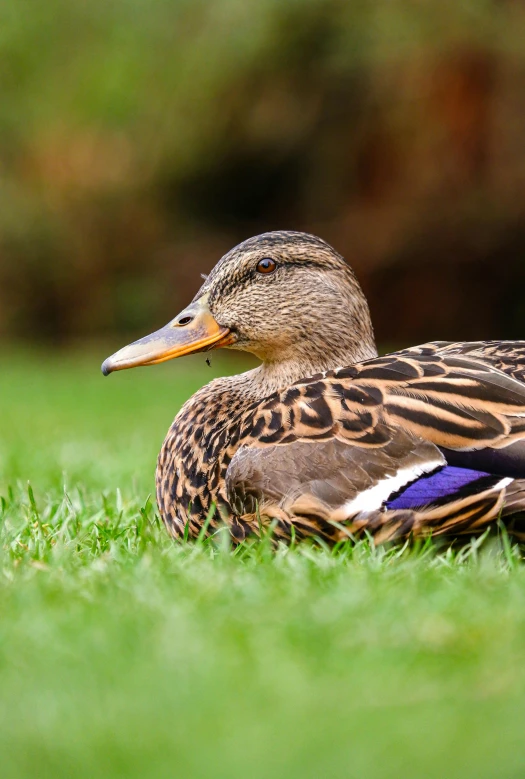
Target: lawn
(124,654)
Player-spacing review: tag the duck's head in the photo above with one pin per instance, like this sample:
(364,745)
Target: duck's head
(286,297)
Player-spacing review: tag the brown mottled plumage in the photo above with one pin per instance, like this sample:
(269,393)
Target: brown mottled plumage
(327,455)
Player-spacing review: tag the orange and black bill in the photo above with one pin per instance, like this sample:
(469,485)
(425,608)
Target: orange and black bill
(193,330)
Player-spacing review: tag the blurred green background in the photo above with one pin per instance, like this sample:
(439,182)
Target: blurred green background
(140,140)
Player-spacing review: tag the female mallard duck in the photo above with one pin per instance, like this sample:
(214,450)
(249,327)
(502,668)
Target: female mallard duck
(428,440)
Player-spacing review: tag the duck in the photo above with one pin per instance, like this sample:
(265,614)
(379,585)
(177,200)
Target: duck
(325,439)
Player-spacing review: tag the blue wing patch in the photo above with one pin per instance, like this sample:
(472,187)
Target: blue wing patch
(449,483)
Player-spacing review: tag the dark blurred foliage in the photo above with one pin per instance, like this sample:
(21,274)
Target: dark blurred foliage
(139,140)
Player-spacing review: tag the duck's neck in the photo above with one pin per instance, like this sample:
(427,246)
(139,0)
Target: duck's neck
(275,376)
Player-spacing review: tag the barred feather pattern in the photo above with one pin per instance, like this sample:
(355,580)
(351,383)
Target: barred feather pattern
(462,400)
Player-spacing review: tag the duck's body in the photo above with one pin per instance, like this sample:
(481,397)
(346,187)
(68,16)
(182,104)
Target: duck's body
(427,440)
(304,454)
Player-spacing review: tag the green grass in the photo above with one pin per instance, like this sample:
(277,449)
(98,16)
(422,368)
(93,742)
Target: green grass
(124,654)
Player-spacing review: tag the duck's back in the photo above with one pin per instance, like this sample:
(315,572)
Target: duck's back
(506,356)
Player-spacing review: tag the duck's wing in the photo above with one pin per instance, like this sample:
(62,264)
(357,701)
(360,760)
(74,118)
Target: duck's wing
(405,489)
(322,448)
(318,485)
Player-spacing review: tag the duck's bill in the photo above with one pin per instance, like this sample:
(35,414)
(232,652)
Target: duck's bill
(193,330)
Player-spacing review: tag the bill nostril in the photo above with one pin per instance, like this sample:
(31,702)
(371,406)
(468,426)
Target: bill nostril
(185,320)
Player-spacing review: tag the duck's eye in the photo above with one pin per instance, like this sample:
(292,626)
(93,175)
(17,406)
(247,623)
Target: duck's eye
(266,266)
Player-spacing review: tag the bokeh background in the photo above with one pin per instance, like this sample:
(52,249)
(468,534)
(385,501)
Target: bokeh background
(141,140)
